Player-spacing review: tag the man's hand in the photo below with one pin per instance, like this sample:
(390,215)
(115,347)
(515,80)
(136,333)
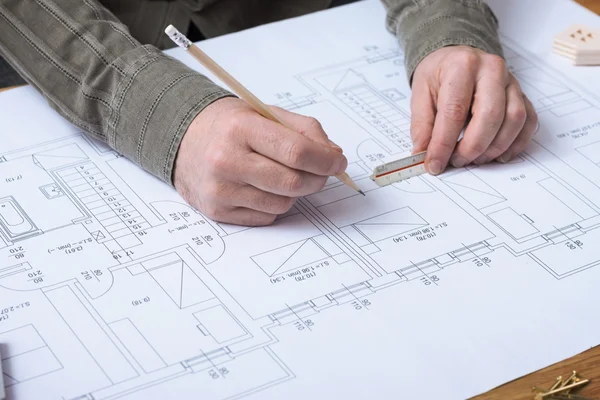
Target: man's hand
(455,83)
(237,167)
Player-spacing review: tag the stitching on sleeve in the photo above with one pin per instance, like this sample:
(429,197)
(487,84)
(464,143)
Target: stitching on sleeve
(447,17)
(66,111)
(153,108)
(116,111)
(176,134)
(41,52)
(73,30)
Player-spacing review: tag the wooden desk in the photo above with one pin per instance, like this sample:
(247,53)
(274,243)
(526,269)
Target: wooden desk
(586,363)
(593,5)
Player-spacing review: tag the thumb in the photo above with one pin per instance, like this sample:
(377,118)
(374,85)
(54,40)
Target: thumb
(307,126)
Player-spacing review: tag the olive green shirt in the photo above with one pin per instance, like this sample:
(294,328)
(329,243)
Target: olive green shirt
(98,62)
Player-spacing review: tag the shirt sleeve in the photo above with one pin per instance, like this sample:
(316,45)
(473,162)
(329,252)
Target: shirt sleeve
(423,26)
(95,74)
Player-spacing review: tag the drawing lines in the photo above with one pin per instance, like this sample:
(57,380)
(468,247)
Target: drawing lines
(28,356)
(106,203)
(166,313)
(290,257)
(390,224)
(591,152)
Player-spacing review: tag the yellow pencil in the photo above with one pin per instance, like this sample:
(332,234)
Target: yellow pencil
(182,41)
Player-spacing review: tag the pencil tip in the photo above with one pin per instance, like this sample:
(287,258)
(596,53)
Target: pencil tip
(361,192)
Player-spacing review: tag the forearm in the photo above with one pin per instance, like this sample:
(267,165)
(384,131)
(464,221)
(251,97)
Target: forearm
(423,26)
(96,75)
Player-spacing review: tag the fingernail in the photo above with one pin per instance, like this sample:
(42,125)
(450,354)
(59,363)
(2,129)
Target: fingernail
(343,165)
(335,146)
(459,162)
(435,167)
(504,158)
(481,160)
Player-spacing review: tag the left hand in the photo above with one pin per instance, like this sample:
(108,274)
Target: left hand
(453,83)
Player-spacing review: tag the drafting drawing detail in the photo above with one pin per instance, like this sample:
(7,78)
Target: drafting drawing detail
(104,270)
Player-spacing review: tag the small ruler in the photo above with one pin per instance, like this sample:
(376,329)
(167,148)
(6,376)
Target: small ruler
(399,170)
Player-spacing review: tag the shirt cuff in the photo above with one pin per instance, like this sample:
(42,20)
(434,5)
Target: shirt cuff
(442,23)
(155,103)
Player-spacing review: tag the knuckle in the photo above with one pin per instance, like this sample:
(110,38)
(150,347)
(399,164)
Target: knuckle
(235,121)
(493,115)
(517,114)
(496,62)
(295,154)
(455,111)
(312,124)
(217,160)
(293,183)
(468,57)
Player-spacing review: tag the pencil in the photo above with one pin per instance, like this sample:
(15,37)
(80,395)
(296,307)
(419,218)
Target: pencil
(182,41)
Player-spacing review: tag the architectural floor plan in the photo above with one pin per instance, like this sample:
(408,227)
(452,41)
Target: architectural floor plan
(111,287)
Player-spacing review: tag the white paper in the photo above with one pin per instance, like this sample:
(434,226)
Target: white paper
(2,392)
(112,287)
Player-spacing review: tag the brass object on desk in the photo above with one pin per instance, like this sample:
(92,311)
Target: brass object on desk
(562,389)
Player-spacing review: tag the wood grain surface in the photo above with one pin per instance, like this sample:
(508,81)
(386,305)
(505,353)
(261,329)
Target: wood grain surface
(587,365)
(593,5)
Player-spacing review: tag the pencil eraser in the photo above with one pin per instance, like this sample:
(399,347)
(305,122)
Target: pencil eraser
(171,30)
(179,38)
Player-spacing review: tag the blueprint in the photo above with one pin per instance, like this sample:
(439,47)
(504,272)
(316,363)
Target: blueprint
(112,287)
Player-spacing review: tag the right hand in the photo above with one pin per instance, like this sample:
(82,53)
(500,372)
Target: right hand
(238,167)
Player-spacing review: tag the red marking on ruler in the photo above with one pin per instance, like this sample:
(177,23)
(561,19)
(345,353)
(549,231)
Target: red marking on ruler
(399,169)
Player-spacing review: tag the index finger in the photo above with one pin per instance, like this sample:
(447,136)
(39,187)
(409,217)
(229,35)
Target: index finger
(454,101)
(422,115)
(295,150)
(307,126)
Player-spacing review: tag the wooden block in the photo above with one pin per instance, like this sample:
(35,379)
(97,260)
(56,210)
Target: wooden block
(571,50)
(580,38)
(580,44)
(582,60)
(572,55)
